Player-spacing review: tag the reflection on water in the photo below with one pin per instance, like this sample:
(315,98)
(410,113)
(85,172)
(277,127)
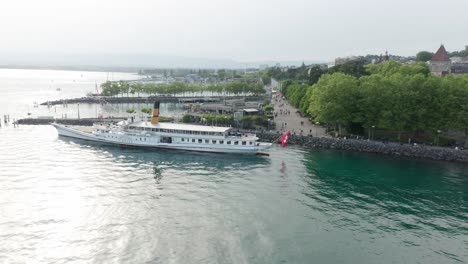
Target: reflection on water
(162,159)
(65,200)
(74,201)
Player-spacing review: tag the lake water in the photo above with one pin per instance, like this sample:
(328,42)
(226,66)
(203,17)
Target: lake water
(68,201)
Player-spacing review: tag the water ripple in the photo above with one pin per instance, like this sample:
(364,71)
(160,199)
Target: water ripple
(62,201)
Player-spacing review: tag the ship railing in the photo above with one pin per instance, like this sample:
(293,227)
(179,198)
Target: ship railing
(243,137)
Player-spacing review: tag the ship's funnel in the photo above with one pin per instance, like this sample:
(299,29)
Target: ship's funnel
(155,118)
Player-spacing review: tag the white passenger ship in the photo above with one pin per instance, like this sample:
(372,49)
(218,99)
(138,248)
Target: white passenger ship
(168,135)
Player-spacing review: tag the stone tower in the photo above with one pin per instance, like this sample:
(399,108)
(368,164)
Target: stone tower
(440,63)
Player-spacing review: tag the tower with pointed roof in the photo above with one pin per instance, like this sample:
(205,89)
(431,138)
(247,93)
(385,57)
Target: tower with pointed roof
(440,63)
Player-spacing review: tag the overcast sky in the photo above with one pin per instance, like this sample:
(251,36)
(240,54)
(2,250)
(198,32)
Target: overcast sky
(242,30)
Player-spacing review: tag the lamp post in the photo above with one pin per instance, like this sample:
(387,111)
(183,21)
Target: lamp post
(373,129)
(78,111)
(438,135)
(316,123)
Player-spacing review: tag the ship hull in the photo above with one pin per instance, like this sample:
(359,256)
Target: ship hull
(128,141)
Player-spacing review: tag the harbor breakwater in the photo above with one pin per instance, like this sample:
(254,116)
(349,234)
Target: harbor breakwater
(151,99)
(68,121)
(391,148)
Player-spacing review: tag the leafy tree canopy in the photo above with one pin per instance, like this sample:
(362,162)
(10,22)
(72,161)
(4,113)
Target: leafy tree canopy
(393,67)
(424,56)
(355,68)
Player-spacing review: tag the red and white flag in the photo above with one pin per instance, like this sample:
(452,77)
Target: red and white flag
(284,139)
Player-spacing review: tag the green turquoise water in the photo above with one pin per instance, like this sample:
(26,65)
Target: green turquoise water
(69,201)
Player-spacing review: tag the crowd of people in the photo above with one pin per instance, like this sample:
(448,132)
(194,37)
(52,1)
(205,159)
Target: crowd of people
(282,114)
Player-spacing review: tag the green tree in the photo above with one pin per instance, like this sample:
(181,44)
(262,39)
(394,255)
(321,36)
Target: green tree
(395,115)
(187,119)
(393,67)
(116,88)
(424,56)
(355,68)
(295,93)
(462,53)
(106,88)
(222,74)
(334,99)
(314,74)
(268,108)
(372,98)
(454,104)
(146,110)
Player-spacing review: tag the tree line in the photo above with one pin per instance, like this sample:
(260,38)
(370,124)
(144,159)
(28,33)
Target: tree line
(220,74)
(390,96)
(247,122)
(310,75)
(427,55)
(127,88)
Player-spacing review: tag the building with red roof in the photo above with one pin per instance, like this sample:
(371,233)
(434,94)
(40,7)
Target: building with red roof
(440,63)
(441,55)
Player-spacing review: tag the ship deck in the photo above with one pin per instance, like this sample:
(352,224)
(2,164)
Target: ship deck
(85,129)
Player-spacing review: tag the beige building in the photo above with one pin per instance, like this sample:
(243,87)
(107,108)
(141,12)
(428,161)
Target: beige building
(343,60)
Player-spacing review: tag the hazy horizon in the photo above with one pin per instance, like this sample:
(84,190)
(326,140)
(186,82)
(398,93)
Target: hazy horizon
(135,61)
(229,33)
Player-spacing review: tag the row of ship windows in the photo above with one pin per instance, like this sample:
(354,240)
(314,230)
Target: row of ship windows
(207,141)
(189,132)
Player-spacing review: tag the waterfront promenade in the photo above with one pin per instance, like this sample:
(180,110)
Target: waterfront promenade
(287,118)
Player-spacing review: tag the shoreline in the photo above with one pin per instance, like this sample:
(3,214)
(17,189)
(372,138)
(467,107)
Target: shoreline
(150,99)
(377,147)
(309,142)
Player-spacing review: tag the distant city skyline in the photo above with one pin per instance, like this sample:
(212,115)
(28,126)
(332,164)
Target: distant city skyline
(231,31)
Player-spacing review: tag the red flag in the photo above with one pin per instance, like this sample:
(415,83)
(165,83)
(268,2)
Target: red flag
(284,139)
